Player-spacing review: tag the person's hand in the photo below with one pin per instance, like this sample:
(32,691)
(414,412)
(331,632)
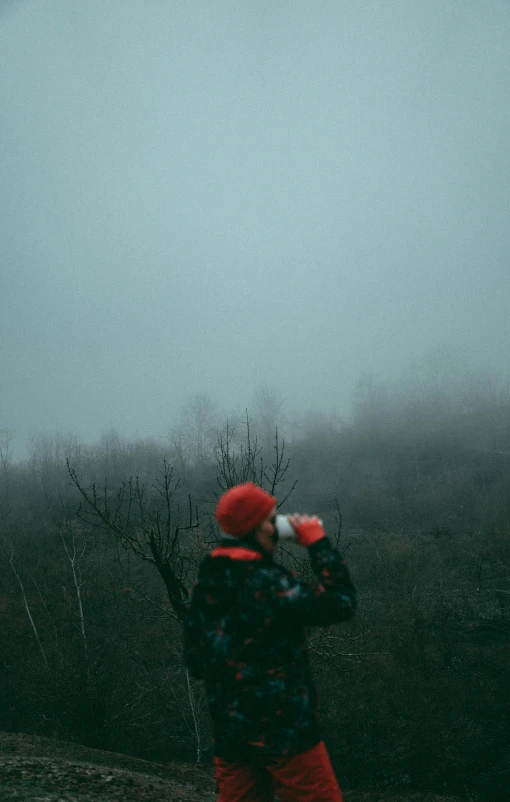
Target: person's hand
(308,528)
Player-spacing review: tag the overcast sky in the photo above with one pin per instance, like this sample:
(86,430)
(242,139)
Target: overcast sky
(203,196)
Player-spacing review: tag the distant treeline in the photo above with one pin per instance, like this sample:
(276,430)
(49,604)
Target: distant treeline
(98,545)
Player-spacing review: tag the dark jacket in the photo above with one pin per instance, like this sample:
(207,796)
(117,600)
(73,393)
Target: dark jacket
(245,637)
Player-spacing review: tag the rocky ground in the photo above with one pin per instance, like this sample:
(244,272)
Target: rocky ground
(42,770)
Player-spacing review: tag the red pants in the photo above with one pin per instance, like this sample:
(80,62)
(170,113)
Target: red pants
(307,777)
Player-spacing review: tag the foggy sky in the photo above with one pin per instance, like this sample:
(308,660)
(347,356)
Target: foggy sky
(204,196)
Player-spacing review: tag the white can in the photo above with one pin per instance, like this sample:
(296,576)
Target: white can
(284,528)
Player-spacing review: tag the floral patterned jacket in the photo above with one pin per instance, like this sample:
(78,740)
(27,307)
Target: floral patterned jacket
(245,637)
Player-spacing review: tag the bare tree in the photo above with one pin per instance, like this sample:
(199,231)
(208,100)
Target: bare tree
(268,407)
(194,437)
(74,540)
(5,448)
(8,553)
(147,521)
(244,462)
(5,460)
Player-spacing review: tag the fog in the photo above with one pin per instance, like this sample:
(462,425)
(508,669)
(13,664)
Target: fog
(205,197)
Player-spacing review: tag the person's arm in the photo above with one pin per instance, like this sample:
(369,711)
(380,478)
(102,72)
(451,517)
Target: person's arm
(334,597)
(330,599)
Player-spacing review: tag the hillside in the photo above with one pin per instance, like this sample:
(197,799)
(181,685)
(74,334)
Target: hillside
(36,769)
(42,770)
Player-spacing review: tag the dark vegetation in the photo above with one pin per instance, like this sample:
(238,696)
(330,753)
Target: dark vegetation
(96,556)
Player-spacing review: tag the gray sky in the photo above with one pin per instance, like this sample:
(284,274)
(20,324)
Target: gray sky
(204,196)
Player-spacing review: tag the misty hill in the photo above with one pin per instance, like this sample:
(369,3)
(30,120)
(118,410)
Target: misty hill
(415,491)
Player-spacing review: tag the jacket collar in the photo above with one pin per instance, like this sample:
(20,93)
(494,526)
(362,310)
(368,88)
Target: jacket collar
(236,553)
(240,548)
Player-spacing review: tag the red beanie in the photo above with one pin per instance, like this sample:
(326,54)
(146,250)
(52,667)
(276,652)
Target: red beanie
(242,508)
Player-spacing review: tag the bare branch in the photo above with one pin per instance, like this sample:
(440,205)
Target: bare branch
(150,528)
(10,560)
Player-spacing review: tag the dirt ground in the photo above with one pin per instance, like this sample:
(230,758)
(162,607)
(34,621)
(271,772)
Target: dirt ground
(42,770)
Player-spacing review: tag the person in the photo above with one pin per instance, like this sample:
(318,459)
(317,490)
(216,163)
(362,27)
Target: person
(244,635)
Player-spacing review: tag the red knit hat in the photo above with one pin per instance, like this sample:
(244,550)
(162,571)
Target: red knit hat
(242,508)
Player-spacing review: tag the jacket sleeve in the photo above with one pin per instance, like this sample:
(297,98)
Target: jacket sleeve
(330,599)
